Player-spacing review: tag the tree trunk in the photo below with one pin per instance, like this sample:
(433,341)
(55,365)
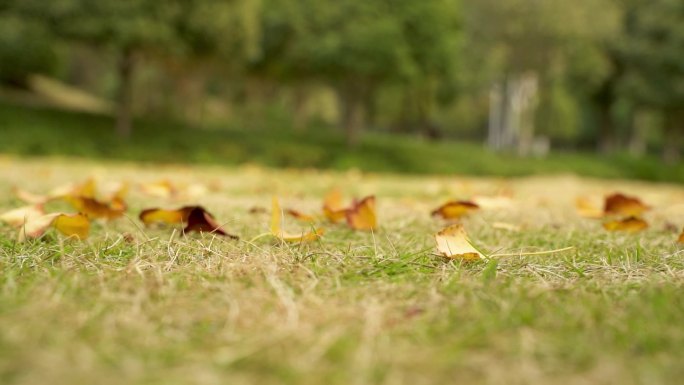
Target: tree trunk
(673,136)
(606,144)
(124,123)
(352,115)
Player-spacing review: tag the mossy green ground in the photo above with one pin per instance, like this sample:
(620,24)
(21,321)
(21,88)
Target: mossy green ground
(135,305)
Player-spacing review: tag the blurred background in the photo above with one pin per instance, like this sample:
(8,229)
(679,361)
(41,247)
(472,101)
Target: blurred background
(485,87)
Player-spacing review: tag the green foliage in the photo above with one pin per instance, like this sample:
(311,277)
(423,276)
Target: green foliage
(25,48)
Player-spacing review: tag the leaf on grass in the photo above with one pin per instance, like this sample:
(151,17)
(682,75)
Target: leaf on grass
(453,242)
(21,215)
(680,240)
(94,208)
(333,208)
(171,217)
(200,220)
(588,208)
(630,225)
(361,216)
(277,227)
(620,204)
(300,215)
(71,225)
(455,209)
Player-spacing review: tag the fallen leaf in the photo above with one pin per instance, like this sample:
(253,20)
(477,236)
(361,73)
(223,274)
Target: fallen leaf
(680,240)
(300,215)
(455,209)
(620,204)
(76,225)
(333,208)
(452,242)
(630,225)
(201,221)
(21,215)
(277,227)
(171,217)
(93,208)
(588,208)
(361,216)
(72,225)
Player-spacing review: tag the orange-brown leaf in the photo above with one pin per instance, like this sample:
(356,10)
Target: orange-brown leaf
(333,208)
(680,240)
(620,204)
(453,242)
(630,225)
(300,215)
(93,208)
(361,216)
(455,209)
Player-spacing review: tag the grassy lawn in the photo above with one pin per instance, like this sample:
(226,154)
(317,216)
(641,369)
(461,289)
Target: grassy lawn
(153,307)
(270,142)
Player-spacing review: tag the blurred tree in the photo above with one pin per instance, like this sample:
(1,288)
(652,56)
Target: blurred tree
(26,48)
(525,45)
(653,51)
(128,27)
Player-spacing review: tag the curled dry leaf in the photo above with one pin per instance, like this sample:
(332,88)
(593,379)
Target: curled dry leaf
(630,225)
(71,225)
(333,208)
(453,242)
(455,209)
(361,216)
(171,217)
(85,189)
(277,227)
(201,221)
(21,215)
(620,204)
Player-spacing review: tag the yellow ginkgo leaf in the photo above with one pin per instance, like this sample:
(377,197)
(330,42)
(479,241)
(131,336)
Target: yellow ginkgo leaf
(361,216)
(452,242)
(72,225)
(277,227)
(630,225)
(21,215)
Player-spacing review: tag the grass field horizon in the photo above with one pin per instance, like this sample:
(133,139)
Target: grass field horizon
(270,142)
(137,305)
